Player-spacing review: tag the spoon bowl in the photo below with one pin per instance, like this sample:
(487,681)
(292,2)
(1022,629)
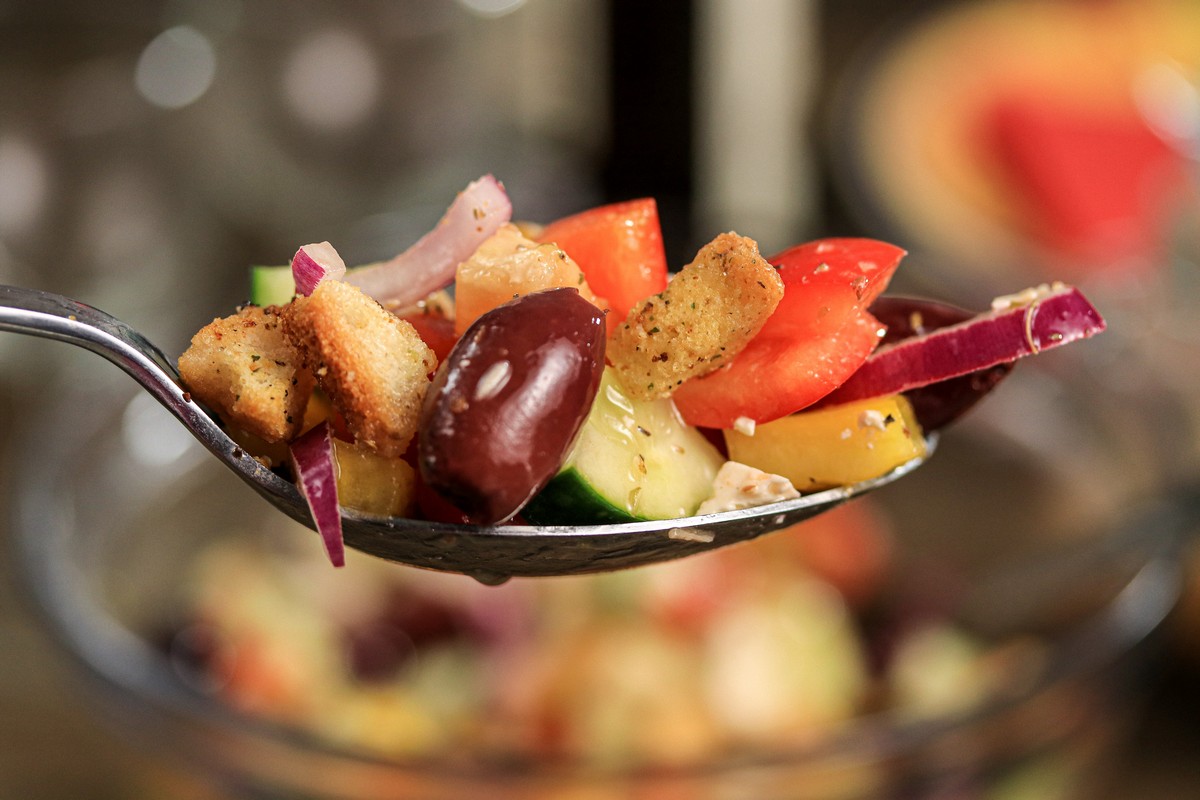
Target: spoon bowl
(490,554)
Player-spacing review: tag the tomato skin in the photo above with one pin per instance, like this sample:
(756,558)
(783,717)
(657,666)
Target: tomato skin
(818,336)
(619,247)
(826,281)
(778,375)
(436,331)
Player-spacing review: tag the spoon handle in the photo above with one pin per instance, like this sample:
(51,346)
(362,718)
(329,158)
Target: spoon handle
(52,316)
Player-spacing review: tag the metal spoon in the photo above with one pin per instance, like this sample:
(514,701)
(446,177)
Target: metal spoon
(489,554)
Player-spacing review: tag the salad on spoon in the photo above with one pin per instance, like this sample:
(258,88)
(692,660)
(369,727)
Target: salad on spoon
(571,406)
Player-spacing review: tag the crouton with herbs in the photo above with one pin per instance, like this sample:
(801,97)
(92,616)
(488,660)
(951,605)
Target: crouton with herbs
(707,314)
(373,365)
(245,369)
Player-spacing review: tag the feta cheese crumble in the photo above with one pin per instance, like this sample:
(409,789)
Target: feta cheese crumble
(1026,297)
(744,426)
(739,486)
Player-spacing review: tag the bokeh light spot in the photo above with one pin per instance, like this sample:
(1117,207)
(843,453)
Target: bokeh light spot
(332,80)
(176,68)
(23,184)
(153,436)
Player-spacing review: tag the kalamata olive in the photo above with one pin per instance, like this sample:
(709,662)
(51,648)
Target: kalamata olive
(508,401)
(938,404)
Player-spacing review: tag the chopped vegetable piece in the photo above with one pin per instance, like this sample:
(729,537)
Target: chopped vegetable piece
(313,462)
(435,330)
(272,286)
(633,460)
(477,213)
(835,446)
(830,280)
(369,482)
(314,263)
(1017,326)
(508,265)
(778,375)
(619,247)
(817,337)
(938,404)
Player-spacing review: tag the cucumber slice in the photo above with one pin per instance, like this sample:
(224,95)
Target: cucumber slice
(633,460)
(274,286)
(271,286)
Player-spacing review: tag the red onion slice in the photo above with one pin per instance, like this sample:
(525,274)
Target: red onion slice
(1017,326)
(938,404)
(314,263)
(477,213)
(316,475)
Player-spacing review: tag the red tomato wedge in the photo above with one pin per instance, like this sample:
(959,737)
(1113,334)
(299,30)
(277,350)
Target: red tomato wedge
(437,332)
(819,335)
(827,281)
(619,247)
(778,375)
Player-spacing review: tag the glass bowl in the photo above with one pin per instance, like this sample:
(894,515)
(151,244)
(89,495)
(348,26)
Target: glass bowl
(119,507)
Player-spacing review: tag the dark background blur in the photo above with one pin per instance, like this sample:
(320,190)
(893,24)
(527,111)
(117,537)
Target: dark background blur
(150,150)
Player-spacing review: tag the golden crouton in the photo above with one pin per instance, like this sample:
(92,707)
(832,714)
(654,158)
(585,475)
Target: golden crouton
(243,367)
(372,364)
(707,314)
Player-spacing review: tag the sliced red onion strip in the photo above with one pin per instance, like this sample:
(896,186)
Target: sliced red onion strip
(316,475)
(1043,321)
(429,265)
(314,263)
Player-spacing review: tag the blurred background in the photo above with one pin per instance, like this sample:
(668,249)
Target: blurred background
(150,151)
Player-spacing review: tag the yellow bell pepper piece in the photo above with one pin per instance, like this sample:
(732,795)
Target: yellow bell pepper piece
(833,446)
(373,483)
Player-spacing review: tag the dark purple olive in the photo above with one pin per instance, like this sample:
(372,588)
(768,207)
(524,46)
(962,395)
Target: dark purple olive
(508,401)
(938,404)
